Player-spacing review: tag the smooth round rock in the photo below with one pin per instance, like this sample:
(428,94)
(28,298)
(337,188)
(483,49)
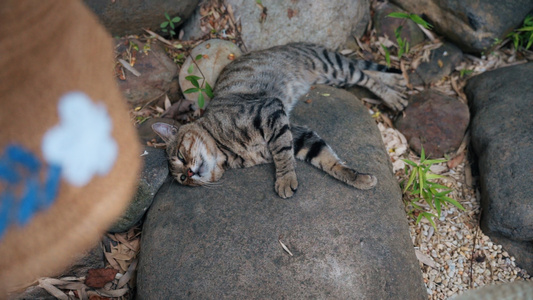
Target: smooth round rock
(215,55)
(225,241)
(435,121)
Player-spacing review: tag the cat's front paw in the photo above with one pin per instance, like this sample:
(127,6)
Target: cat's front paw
(286,185)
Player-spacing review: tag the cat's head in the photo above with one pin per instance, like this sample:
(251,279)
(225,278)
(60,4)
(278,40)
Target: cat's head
(193,155)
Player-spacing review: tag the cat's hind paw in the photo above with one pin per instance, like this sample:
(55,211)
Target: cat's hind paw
(360,180)
(286,185)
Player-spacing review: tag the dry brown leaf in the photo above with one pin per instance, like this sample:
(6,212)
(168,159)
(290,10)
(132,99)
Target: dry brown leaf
(111,260)
(97,278)
(454,162)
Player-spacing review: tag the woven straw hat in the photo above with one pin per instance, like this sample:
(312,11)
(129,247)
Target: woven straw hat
(69,156)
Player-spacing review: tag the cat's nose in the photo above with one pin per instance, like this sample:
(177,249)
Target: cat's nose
(190,173)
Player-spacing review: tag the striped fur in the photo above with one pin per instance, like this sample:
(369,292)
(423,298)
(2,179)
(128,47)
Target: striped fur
(247,121)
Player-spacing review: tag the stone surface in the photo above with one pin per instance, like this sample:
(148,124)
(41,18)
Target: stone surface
(154,173)
(502,138)
(473,25)
(385,26)
(158,74)
(442,62)
(32,293)
(126,17)
(223,242)
(329,23)
(436,121)
(216,54)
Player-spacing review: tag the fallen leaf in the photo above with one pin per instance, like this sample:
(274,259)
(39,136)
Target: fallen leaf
(285,247)
(441,64)
(97,278)
(291,13)
(308,101)
(454,162)
(425,259)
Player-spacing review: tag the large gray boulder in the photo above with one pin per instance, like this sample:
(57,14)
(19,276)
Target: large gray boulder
(502,138)
(124,17)
(329,23)
(473,25)
(224,242)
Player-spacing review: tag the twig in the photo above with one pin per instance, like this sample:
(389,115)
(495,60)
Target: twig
(473,250)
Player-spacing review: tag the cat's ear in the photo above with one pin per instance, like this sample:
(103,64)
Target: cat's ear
(166,131)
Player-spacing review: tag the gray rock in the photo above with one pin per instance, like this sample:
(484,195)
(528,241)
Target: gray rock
(223,242)
(434,120)
(473,25)
(158,74)
(442,62)
(330,23)
(127,17)
(154,173)
(502,138)
(385,26)
(33,293)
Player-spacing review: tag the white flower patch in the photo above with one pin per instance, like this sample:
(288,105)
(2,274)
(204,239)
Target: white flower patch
(81,144)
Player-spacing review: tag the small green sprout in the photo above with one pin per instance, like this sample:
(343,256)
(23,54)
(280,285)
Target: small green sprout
(421,186)
(169,25)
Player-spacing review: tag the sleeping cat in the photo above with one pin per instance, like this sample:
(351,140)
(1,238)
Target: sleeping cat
(247,121)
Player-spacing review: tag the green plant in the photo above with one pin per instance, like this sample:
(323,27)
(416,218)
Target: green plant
(523,37)
(421,186)
(169,25)
(202,88)
(403,44)
(465,72)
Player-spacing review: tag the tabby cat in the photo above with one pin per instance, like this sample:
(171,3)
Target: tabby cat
(247,121)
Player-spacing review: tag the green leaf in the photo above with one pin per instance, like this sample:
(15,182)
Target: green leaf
(190,69)
(176,19)
(438,207)
(164,24)
(194,80)
(410,162)
(411,179)
(172,25)
(530,41)
(191,77)
(201,100)
(418,20)
(166,16)
(437,186)
(191,90)
(528,28)
(422,155)
(430,217)
(198,57)
(399,15)
(164,30)
(454,202)
(208,90)
(431,176)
